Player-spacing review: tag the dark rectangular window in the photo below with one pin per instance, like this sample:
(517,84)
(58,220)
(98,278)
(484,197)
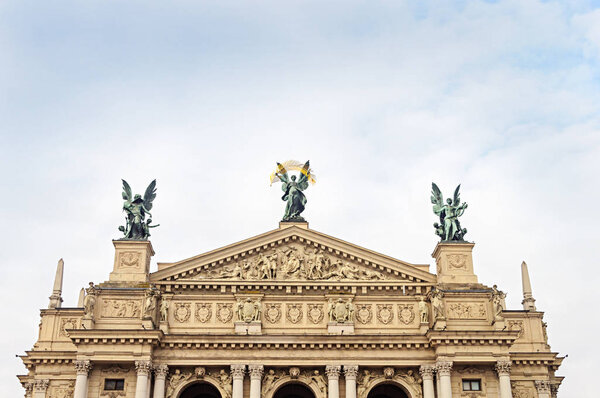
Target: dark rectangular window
(471,385)
(114,384)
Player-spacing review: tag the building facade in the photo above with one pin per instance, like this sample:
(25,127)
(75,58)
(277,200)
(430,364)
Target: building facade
(292,313)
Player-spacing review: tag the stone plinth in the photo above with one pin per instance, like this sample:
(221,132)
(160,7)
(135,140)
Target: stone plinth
(248,327)
(454,262)
(340,328)
(132,261)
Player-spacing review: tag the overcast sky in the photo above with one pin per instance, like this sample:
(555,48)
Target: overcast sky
(382,97)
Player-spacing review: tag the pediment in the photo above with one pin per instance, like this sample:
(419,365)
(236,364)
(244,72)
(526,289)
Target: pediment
(293,254)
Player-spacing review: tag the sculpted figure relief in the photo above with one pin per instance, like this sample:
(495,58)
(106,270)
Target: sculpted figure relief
(150,303)
(423,311)
(292,263)
(498,302)
(164,310)
(89,302)
(438,305)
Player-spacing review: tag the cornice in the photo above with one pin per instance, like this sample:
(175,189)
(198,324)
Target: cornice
(104,336)
(471,337)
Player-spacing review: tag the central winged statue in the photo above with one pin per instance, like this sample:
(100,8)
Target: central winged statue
(136,208)
(449,226)
(293,196)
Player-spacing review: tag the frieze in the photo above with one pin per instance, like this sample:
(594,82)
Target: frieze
(121,308)
(292,262)
(364,313)
(385,313)
(311,377)
(224,312)
(406,313)
(182,312)
(466,310)
(315,313)
(367,378)
(272,312)
(203,312)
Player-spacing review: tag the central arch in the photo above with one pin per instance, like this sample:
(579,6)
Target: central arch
(387,390)
(294,390)
(200,390)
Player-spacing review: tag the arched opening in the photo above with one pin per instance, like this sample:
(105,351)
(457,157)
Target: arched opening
(387,391)
(294,390)
(200,390)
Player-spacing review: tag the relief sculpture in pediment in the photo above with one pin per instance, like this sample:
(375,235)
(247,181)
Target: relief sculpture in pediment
(293,262)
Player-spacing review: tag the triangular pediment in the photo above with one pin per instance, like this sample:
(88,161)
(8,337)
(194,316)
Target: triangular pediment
(292,253)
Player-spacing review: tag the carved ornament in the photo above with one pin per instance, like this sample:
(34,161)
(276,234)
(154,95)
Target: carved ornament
(466,311)
(406,313)
(516,326)
(458,261)
(385,313)
(294,313)
(129,259)
(203,312)
(182,312)
(67,323)
(315,313)
(121,309)
(63,391)
(224,312)
(364,313)
(272,312)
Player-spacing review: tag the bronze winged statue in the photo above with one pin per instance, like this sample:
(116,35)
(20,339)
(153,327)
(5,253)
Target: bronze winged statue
(293,196)
(448,228)
(136,209)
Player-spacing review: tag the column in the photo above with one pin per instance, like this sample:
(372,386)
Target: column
(350,373)
(503,370)
(237,373)
(443,369)
(438,386)
(160,374)
(256,373)
(82,369)
(28,389)
(543,388)
(143,373)
(427,372)
(39,388)
(333,380)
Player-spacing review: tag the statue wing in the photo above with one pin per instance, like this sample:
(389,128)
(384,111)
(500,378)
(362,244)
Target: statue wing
(303,178)
(284,180)
(457,195)
(149,195)
(126,191)
(436,198)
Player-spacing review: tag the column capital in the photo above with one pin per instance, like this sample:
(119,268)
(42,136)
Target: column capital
(503,368)
(238,371)
(443,368)
(542,386)
(256,371)
(41,385)
(161,370)
(333,371)
(350,371)
(143,367)
(82,367)
(28,388)
(427,371)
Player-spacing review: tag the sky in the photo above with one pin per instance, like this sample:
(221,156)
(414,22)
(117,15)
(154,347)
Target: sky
(383,97)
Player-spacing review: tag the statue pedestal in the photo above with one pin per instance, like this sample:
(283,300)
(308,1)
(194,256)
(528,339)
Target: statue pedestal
(132,261)
(340,328)
(164,327)
(242,327)
(147,323)
(87,323)
(440,324)
(454,262)
(499,324)
(424,327)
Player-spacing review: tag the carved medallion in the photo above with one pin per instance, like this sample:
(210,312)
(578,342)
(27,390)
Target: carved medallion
(67,323)
(182,312)
(129,259)
(315,313)
(457,261)
(273,313)
(516,326)
(294,313)
(224,312)
(203,312)
(406,313)
(364,314)
(385,313)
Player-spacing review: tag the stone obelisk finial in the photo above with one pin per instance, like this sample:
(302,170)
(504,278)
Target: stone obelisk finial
(528,300)
(81,298)
(56,299)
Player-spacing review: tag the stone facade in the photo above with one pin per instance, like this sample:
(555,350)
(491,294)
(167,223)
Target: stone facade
(291,306)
